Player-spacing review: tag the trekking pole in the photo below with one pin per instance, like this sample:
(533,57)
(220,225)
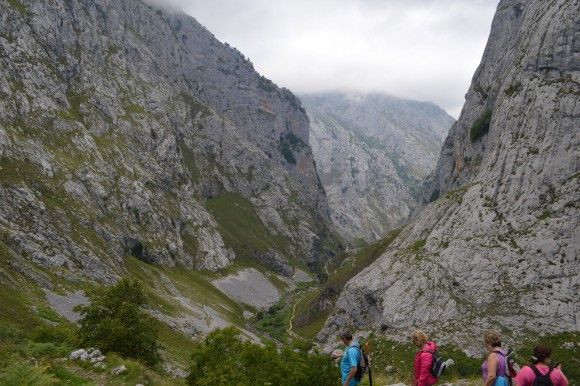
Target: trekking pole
(368,350)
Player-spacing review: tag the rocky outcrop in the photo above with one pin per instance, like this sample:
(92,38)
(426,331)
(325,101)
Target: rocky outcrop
(119,122)
(498,244)
(371,152)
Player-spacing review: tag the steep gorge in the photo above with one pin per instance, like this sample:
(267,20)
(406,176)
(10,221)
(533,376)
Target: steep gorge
(372,151)
(128,130)
(498,244)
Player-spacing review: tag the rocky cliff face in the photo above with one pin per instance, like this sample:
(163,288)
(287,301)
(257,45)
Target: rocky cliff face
(498,245)
(371,151)
(128,130)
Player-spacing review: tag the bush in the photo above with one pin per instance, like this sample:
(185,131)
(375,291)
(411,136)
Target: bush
(62,333)
(114,322)
(275,321)
(480,127)
(225,359)
(290,143)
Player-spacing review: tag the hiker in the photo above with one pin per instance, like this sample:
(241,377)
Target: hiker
(495,369)
(540,373)
(350,360)
(422,365)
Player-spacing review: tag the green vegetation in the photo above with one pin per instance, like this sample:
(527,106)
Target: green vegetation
(134,108)
(75,100)
(225,359)
(513,89)
(266,84)
(481,126)
(288,144)
(114,322)
(545,214)
(418,246)
(32,351)
(398,358)
(195,106)
(241,228)
(275,321)
(18,6)
(313,309)
(189,161)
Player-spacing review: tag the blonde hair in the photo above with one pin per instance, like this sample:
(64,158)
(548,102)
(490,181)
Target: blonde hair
(419,338)
(491,338)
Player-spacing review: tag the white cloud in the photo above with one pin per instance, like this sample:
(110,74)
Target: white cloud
(419,49)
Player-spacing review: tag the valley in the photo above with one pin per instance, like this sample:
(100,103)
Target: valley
(134,145)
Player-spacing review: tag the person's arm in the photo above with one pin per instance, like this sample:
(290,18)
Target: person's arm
(561,379)
(415,370)
(491,369)
(350,376)
(425,360)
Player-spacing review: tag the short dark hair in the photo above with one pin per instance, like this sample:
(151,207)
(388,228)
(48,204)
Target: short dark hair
(346,335)
(541,353)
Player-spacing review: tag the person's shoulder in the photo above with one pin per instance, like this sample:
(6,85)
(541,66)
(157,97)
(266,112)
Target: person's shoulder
(524,375)
(557,373)
(352,349)
(526,370)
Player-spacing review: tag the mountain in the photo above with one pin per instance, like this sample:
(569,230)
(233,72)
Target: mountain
(128,130)
(134,143)
(371,152)
(497,245)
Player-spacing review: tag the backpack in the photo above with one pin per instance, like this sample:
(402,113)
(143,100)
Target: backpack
(512,366)
(363,366)
(438,365)
(541,379)
(504,379)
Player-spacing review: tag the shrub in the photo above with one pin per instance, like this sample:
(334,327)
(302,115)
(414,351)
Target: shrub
(480,127)
(275,321)
(266,84)
(513,89)
(225,359)
(114,322)
(290,143)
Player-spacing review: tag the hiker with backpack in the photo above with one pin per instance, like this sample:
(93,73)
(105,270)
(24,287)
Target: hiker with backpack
(496,371)
(540,372)
(428,365)
(353,364)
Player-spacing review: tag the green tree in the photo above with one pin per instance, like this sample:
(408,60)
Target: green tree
(225,359)
(114,322)
(481,126)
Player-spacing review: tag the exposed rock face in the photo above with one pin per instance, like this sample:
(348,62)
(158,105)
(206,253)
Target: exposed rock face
(499,246)
(371,151)
(118,121)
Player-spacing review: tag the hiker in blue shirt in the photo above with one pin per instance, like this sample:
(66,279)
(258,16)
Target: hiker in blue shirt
(350,360)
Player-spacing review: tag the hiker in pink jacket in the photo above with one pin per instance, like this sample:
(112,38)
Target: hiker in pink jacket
(541,367)
(423,360)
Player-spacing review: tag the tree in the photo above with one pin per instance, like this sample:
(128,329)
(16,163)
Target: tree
(114,322)
(225,359)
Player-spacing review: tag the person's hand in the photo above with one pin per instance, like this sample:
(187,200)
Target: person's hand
(449,362)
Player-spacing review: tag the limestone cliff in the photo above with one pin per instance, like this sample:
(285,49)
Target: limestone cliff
(130,130)
(371,151)
(498,244)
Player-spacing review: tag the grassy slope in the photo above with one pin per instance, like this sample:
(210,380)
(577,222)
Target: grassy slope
(309,318)
(34,339)
(241,228)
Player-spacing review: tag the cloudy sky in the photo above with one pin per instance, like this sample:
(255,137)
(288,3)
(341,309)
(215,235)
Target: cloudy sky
(418,49)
